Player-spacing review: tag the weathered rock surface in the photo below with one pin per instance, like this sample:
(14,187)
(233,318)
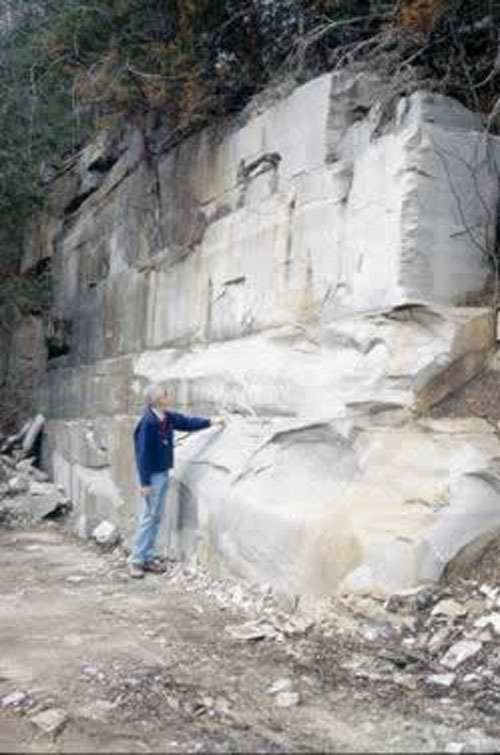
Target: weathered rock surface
(305,277)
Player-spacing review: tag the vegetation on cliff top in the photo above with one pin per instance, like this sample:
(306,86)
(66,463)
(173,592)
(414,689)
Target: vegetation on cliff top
(68,67)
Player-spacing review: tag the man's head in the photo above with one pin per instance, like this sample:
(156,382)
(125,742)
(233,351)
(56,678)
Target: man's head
(156,395)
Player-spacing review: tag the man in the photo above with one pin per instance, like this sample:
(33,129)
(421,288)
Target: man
(154,453)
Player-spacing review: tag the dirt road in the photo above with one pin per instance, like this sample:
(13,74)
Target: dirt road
(150,666)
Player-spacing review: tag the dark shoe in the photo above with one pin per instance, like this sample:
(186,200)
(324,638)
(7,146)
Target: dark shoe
(155,566)
(136,571)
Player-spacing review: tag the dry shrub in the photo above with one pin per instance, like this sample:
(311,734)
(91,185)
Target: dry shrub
(422,16)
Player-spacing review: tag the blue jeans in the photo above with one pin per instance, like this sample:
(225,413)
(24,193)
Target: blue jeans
(150,523)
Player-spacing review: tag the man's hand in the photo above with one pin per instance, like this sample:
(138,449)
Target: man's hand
(145,490)
(220,421)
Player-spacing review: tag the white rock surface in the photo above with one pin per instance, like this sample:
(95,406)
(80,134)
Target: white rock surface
(316,301)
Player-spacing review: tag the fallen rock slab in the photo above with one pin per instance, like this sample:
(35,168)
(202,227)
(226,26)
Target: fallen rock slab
(460,652)
(50,721)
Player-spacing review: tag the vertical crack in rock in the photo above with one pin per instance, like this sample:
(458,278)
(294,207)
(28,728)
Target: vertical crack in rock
(289,238)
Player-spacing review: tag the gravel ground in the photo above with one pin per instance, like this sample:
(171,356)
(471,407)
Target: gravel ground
(185,663)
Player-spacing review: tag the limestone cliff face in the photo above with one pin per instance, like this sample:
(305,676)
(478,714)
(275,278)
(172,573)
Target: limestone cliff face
(303,273)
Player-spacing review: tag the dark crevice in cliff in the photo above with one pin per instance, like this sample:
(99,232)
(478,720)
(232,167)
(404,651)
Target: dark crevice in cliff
(77,202)
(57,337)
(103,164)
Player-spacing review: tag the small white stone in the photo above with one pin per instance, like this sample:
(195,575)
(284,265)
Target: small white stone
(409,641)
(105,533)
(405,680)
(90,670)
(287,699)
(280,685)
(460,652)
(441,680)
(471,679)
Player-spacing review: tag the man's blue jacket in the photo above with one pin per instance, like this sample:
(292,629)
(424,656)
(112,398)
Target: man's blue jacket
(154,441)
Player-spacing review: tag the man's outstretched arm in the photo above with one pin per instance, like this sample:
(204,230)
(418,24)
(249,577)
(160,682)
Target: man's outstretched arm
(193,424)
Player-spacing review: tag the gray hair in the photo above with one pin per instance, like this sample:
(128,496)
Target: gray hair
(153,392)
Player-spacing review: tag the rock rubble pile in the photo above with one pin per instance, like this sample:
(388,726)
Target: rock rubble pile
(26,494)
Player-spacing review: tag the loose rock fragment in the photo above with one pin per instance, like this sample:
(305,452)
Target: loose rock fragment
(18,484)
(14,699)
(472,681)
(492,619)
(460,652)
(106,534)
(441,680)
(449,608)
(280,685)
(455,747)
(51,721)
(297,626)
(252,631)
(438,640)
(411,600)
(287,699)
